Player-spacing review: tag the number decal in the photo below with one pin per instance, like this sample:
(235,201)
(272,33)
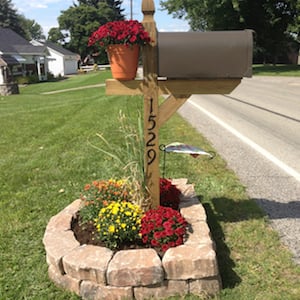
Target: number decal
(149,142)
(151,120)
(151,153)
(151,106)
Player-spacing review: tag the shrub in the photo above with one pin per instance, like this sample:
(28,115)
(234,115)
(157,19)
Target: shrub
(118,224)
(29,79)
(163,227)
(169,194)
(99,194)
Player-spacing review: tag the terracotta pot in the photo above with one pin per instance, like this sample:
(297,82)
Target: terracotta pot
(123,61)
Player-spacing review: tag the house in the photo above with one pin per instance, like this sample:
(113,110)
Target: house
(20,57)
(60,61)
(6,63)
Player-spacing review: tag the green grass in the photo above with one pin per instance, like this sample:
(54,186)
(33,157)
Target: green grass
(278,70)
(90,78)
(46,158)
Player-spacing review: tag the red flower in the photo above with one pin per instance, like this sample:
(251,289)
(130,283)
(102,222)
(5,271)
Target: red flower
(164,247)
(169,232)
(179,241)
(168,224)
(169,194)
(154,243)
(133,39)
(120,32)
(157,235)
(171,244)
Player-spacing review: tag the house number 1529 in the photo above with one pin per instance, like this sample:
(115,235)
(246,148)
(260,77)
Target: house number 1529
(150,144)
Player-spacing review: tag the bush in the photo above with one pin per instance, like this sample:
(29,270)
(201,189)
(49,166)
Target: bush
(27,79)
(169,194)
(99,194)
(118,224)
(163,227)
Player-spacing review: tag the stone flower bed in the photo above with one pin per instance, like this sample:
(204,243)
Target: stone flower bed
(95,272)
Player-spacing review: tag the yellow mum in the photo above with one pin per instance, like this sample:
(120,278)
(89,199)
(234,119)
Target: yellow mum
(115,209)
(111,228)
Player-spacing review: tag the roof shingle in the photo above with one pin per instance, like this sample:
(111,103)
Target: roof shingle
(11,42)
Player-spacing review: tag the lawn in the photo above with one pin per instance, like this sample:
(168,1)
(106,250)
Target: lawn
(278,70)
(46,157)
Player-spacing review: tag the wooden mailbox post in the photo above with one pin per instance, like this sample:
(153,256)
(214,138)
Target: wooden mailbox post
(152,86)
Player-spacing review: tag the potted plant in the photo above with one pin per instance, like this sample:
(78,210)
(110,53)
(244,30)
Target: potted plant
(122,40)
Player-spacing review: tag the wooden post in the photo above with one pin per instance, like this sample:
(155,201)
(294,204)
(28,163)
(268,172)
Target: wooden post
(151,106)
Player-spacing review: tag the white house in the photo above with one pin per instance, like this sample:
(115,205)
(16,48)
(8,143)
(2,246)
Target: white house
(20,56)
(60,61)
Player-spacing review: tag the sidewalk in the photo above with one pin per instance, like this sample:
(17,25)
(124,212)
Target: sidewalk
(74,89)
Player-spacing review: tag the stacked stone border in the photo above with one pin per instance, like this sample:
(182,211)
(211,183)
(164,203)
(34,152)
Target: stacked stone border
(94,272)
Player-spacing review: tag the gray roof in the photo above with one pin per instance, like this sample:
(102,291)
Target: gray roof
(6,60)
(11,42)
(59,48)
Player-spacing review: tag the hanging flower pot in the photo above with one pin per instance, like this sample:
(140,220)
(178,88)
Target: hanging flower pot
(123,60)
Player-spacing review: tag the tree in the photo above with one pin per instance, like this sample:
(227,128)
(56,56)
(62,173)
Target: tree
(295,28)
(114,5)
(32,29)
(205,14)
(56,36)
(270,19)
(81,19)
(9,18)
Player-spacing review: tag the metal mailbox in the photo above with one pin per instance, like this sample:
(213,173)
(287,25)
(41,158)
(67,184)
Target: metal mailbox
(215,54)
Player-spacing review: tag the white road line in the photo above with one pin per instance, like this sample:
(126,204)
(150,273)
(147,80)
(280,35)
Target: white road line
(290,171)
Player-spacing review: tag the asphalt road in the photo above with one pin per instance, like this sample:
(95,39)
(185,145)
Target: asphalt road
(256,129)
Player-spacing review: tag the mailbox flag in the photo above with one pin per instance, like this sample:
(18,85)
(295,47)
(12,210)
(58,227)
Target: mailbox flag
(184,148)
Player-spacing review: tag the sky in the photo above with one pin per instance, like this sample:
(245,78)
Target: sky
(46,12)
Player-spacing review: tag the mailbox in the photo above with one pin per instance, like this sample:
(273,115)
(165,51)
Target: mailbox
(215,54)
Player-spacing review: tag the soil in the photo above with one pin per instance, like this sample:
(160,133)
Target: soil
(85,234)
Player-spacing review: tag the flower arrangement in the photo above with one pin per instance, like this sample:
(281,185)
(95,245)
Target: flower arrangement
(118,223)
(121,40)
(99,193)
(120,32)
(163,227)
(109,206)
(169,194)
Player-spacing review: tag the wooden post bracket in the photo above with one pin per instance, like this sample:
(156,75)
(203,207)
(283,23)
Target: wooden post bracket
(178,91)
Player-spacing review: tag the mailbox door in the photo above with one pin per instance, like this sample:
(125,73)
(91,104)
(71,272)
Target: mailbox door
(216,54)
